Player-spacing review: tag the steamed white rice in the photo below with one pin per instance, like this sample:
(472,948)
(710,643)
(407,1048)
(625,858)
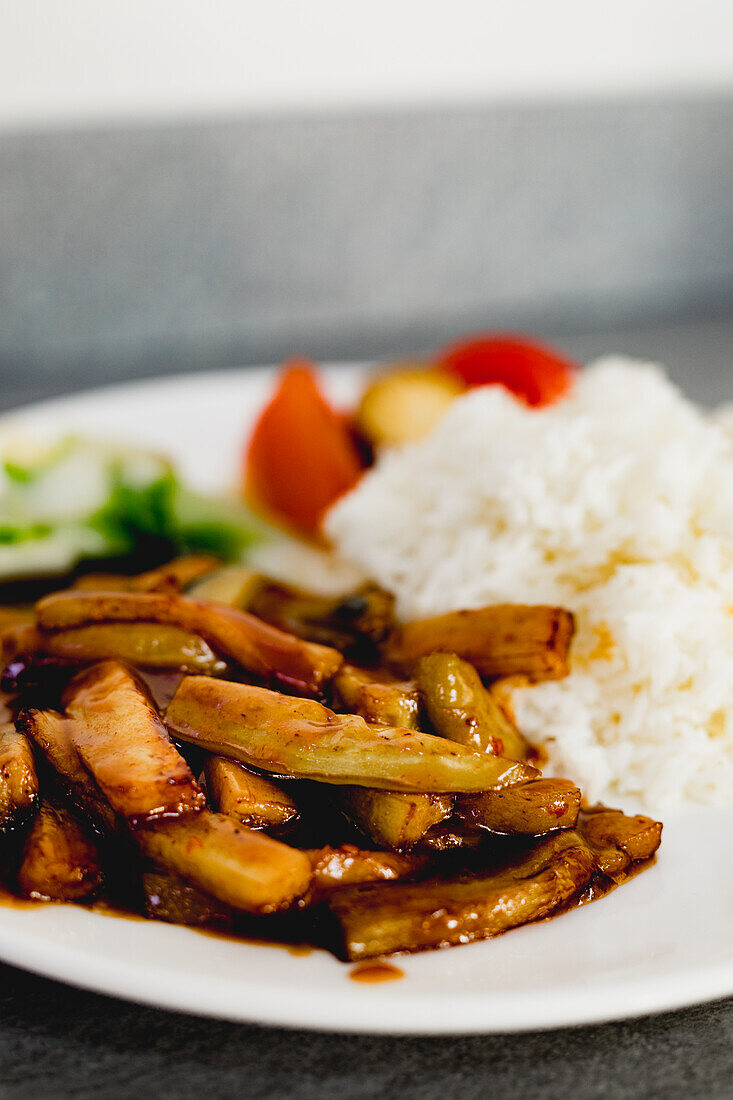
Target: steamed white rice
(616,503)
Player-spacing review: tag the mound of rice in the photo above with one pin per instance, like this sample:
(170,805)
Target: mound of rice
(616,503)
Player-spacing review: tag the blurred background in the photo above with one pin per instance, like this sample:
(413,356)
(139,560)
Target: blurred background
(194,185)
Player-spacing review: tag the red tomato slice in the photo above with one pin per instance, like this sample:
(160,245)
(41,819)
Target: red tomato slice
(300,457)
(536,374)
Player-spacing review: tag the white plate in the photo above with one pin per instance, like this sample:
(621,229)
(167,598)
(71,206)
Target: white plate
(660,942)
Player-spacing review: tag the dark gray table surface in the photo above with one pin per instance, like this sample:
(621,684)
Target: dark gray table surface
(56,1041)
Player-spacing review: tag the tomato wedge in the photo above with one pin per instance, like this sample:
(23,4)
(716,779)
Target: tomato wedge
(301,456)
(534,373)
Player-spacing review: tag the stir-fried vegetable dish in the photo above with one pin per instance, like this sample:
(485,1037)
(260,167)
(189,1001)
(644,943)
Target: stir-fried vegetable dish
(203,745)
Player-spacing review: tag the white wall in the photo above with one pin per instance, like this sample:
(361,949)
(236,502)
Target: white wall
(72,61)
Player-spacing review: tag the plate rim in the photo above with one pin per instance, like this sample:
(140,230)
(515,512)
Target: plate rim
(356,1011)
(467,1013)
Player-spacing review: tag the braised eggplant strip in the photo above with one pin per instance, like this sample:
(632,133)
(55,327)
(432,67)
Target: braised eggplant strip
(233,585)
(387,917)
(531,642)
(413,813)
(391,819)
(303,739)
(18,778)
(168,897)
(460,708)
(450,835)
(359,620)
(149,645)
(60,858)
(50,732)
(239,866)
(377,697)
(246,796)
(255,645)
(13,619)
(125,746)
(533,808)
(335,868)
(174,576)
(618,840)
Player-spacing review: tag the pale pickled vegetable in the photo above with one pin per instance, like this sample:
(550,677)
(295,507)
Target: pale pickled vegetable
(405,405)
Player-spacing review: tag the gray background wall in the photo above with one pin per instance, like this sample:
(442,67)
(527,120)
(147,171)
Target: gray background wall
(141,249)
(132,251)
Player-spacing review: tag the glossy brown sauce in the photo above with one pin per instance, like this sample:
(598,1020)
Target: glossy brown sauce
(604,885)
(372,972)
(107,909)
(12,901)
(297,950)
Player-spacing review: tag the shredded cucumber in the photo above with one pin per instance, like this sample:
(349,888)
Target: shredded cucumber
(81,499)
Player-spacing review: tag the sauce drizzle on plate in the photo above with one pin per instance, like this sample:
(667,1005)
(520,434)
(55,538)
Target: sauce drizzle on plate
(372,972)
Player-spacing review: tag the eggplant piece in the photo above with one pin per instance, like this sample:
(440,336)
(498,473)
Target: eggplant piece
(378,919)
(243,868)
(233,585)
(168,897)
(124,744)
(617,840)
(60,859)
(451,834)
(176,575)
(172,577)
(405,404)
(50,732)
(8,707)
(20,640)
(360,620)
(461,709)
(18,779)
(335,868)
(505,640)
(302,739)
(533,808)
(391,819)
(13,618)
(249,798)
(377,697)
(255,645)
(150,645)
